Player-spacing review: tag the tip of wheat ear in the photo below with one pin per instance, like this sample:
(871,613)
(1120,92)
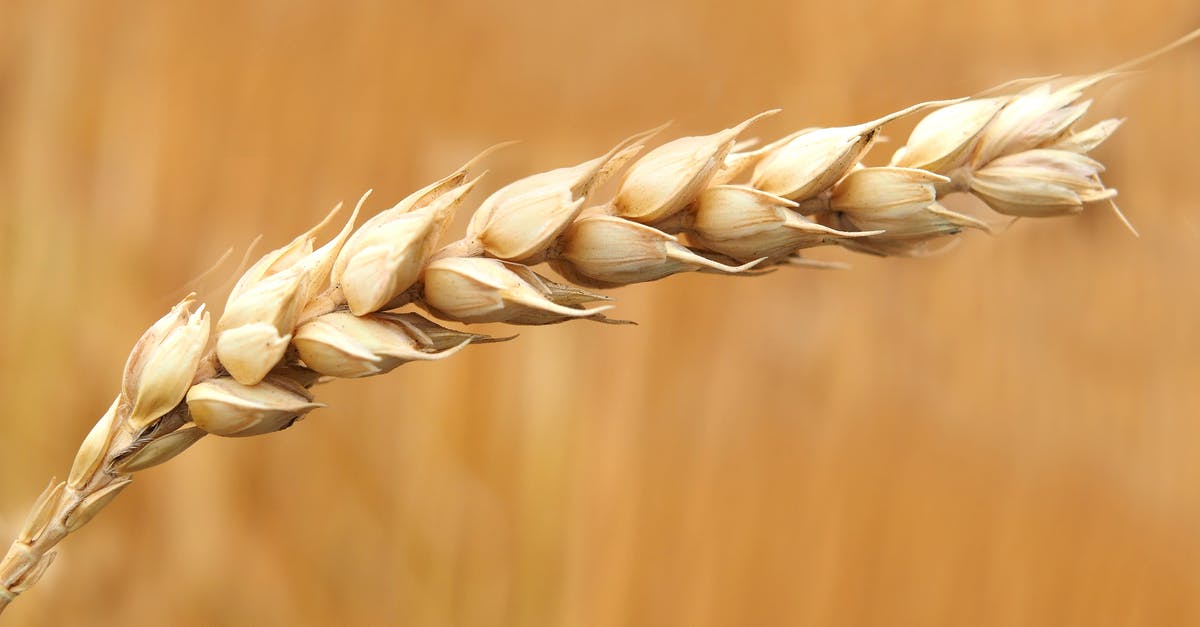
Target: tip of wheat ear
(302,315)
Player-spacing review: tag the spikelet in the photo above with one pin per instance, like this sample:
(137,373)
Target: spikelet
(255,330)
(222,406)
(387,254)
(746,224)
(668,178)
(943,140)
(898,205)
(522,219)
(905,236)
(147,345)
(1040,183)
(811,162)
(1038,116)
(470,289)
(885,191)
(262,311)
(606,251)
(342,345)
(163,362)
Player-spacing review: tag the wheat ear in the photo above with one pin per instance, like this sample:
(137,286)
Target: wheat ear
(303,315)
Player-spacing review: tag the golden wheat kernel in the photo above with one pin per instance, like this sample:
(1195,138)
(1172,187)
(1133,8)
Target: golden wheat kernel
(885,190)
(1038,116)
(347,346)
(668,178)
(325,345)
(519,226)
(899,206)
(614,251)
(250,351)
(386,255)
(222,406)
(275,300)
(522,219)
(1041,182)
(439,200)
(943,140)
(387,260)
(148,344)
(487,290)
(254,330)
(734,211)
(745,224)
(895,233)
(265,305)
(811,161)
(169,369)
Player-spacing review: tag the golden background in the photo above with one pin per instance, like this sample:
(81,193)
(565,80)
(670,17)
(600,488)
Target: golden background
(1006,434)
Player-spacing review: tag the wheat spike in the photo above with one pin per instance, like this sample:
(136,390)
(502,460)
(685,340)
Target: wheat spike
(303,315)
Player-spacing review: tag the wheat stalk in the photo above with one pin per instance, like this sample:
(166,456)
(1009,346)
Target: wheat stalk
(303,315)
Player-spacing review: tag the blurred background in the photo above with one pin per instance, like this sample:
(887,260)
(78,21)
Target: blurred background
(1005,434)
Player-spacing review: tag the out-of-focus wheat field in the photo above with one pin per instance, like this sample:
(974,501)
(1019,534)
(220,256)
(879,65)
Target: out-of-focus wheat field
(1005,434)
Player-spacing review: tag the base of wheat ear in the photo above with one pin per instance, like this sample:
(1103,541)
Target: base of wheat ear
(302,315)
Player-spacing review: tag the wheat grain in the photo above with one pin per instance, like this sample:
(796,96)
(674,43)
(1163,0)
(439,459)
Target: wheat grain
(303,313)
